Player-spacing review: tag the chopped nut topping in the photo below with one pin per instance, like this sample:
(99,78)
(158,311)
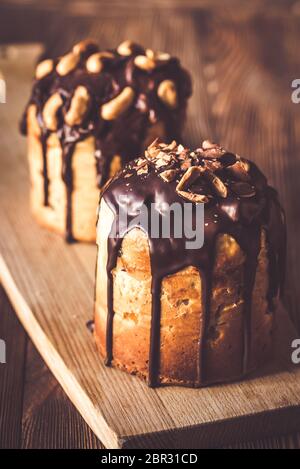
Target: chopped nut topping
(171,146)
(207,145)
(239,170)
(219,187)
(212,164)
(143,170)
(189,178)
(169,175)
(197,198)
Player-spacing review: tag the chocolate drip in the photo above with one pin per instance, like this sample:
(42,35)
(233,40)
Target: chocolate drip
(45,168)
(242,217)
(67,177)
(123,135)
(114,248)
(90,325)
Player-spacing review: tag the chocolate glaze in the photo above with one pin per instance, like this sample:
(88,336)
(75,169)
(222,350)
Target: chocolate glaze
(247,208)
(123,136)
(90,326)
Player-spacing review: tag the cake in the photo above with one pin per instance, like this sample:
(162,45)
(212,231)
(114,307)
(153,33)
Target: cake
(175,315)
(90,112)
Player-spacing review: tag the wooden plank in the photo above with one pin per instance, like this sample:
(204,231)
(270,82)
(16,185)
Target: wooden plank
(11,375)
(49,418)
(51,288)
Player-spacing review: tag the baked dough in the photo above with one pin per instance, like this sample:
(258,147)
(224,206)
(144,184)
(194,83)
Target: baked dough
(90,112)
(196,347)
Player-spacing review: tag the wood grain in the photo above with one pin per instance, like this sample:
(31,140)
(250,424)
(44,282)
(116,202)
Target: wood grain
(50,286)
(243,59)
(11,376)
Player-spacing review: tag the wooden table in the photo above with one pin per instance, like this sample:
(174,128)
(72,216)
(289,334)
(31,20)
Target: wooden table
(248,57)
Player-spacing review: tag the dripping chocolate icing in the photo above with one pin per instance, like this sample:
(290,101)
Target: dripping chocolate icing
(248,206)
(123,136)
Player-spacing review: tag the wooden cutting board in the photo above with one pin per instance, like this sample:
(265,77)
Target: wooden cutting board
(50,285)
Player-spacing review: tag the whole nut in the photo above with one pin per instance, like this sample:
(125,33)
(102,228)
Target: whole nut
(162,56)
(95,64)
(167,93)
(50,111)
(158,56)
(189,177)
(240,170)
(125,48)
(218,185)
(44,68)
(67,63)
(79,106)
(144,63)
(118,105)
(82,46)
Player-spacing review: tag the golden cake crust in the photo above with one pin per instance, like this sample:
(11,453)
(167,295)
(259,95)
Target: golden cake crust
(189,317)
(85,193)
(89,113)
(182,311)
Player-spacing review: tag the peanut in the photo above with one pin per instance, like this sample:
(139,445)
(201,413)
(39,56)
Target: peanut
(168,94)
(79,106)
(67,63)
(157,56)
(95,63)
(32,119)
(125,48)
(118,105)
(50,111)
(44,68)
(82,46)
(144,63)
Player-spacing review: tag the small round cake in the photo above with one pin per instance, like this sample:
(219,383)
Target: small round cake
(173,313)
(90,112)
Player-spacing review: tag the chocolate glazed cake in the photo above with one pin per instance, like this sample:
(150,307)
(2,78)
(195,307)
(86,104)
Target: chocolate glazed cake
(89,113)
(194,317)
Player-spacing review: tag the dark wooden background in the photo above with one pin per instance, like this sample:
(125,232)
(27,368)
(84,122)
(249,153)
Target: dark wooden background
(243,57)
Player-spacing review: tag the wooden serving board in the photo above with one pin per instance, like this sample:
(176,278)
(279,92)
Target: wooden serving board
(50,285)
